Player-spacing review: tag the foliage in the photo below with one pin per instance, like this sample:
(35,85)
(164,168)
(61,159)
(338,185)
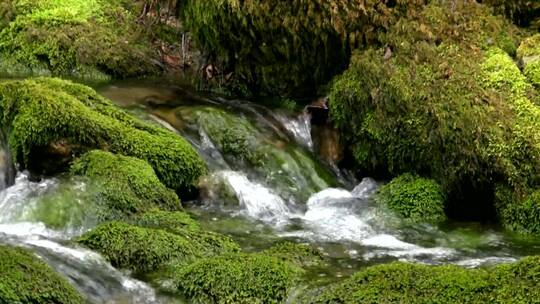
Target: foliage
(277,47)
(139,249)
(529,54)
(26,279)
(518,213)
(415,198)
(239,278)
(523,12)
(47,119)
(414,283)
(126,185)
(91,40)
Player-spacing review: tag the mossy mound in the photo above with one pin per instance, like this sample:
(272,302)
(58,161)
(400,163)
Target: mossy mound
(414,198)
(26,279)
(529,55)
(289,47)
(413,283)
(429,103)
(48,121)
(139,249)
(519,212)
(125,185)
(298,254)
(181,224)
(92,40)
(239,278)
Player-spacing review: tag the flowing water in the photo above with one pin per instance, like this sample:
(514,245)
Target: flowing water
(266,184)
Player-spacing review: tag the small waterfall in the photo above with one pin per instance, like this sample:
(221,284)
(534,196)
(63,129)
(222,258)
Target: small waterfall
(298,127)
(88,271)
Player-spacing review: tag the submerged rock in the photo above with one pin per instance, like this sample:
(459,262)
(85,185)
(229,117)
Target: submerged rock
(39,113)
(26,279)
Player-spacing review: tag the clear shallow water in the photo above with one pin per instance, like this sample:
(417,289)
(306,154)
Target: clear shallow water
(336,214)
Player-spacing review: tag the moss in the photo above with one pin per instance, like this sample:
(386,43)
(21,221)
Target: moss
(126,185)
(414,283)
(529,55)
(298,254)
(410,283)
(138,249)
(289,47)
(522,12)
(239,278)
(26,279)
(91,40)
(181,224)
(48,121)
(411,105)
(415,198)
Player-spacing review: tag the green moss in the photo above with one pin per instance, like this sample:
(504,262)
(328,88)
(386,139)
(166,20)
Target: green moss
(297,254)
(139,249)
(126,185)
(48,121)
(415,198)
(285,47)
(90,40)
(181,224)
(410,283)
(239,278)
(529,55)
(522,12)
(26,279)
(414,283)
(426,103)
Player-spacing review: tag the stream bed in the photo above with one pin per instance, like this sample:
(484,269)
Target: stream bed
(268,182)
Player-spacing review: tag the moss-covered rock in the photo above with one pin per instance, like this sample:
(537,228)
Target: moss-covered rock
(49,121)
(92,40)
(529,55)
(239,278)
(428,103)
(414,198)
(181,224)
(290,47)
(125,185)
(26,279)
(518,212)
(139,249)
(410,283)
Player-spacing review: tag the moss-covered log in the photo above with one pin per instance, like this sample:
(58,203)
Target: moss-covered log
(49,121)
(26,279)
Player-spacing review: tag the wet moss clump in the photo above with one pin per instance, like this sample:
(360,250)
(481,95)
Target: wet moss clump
(48,121)
(414,283)
(26,279)
(127,186)
(139,249)
(415,198)
(425,103)
(92,40)
(519,212)
(182,224)
(239,278)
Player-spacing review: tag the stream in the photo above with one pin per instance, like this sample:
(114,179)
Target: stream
(268,182)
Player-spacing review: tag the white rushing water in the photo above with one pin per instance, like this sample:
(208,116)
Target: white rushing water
(298,127)
(88,271)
